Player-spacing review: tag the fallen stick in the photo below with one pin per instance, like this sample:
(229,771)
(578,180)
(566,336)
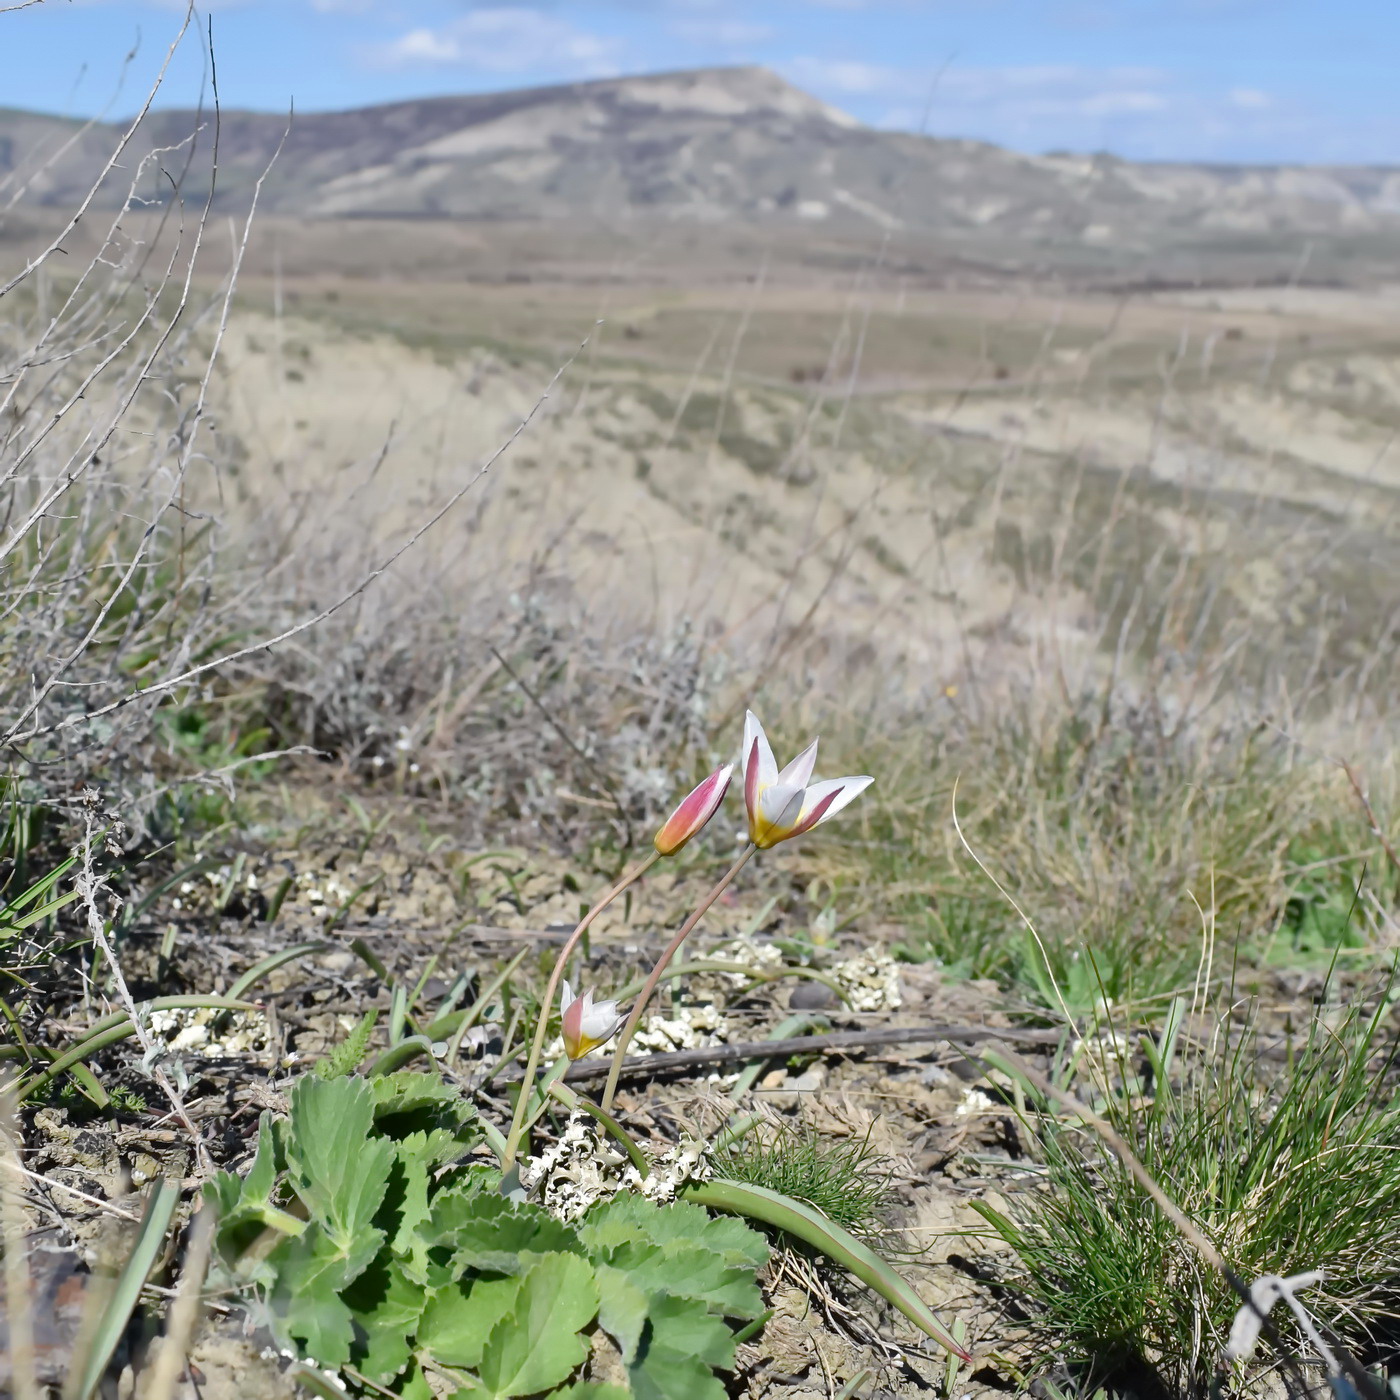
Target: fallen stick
(671,1060)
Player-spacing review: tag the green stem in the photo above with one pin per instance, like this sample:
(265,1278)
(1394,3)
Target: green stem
(573,1101)
(527,1083)
(659,971)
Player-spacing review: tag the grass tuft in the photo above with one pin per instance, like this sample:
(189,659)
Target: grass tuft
(847,1179)
(1284,1150)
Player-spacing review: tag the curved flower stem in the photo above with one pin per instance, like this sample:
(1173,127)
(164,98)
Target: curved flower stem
(527,1083)
(659,971)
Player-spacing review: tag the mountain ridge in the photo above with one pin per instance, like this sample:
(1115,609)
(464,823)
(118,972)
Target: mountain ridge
(707,147)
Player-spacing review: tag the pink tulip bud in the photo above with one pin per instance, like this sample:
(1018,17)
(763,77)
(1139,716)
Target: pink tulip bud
(694,812)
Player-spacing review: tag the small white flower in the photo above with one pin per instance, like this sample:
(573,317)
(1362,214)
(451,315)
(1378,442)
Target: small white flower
(586,1026)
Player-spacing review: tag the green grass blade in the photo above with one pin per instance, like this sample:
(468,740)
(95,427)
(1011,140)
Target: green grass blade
(797,1024)
(813,1228)
(454,1022)
(49,906)
(145,1251)
(114,1028)
(271,963)
(40,887)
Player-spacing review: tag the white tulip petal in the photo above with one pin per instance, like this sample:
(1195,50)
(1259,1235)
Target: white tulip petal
(767,764)
(798,773)
(568,998)
(846,791)
(775,804)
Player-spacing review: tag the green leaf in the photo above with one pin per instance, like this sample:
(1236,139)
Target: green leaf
(385,1309)
(414,1385)
(590,1390)
(682,1326)
(311,1271)
(536,1345)
(337,1170)
(622,1309)
(413,1091)
(809,1225)
(625,1217)
(491,1233)
(681,1344)
(262,1175)
(682,1270)
(405,1204)
(346,1056)
(245,1209)
(458,1321)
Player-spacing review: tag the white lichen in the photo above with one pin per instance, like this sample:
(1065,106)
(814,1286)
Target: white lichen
(870,981)
(189,1028)
(585,1167)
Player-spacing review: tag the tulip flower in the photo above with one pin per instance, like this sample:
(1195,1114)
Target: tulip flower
(785,804)
(586,1025)
(692,814)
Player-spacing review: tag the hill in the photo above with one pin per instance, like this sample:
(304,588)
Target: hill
(726,147)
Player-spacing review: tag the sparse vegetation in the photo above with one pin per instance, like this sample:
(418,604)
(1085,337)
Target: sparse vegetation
(1278,1142)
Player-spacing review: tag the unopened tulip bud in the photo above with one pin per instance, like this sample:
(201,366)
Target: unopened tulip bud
(697,809)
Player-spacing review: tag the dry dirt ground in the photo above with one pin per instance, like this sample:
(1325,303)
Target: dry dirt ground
(431,909)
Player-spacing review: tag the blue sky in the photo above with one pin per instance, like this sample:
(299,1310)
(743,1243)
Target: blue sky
(1295,80)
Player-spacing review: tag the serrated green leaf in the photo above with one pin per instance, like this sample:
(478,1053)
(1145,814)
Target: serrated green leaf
(410,1101)
(337,1169)
(682,1342)
(683,1270)
(490,1233)
(414,1385)
(682,1326)
(622,1309)
(590,1390)
(536,1345)
(625,1217)
(262,1175)
(224,1191)
(405,1204)
(305,1303)
(666,1376)
(385,1310)
(245,1207)
(458,1321)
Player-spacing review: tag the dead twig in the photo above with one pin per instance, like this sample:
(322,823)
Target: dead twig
(836,1041)
(1376,829)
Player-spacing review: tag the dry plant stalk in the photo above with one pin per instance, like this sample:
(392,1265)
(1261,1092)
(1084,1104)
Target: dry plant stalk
(19,1310)
(170,1362)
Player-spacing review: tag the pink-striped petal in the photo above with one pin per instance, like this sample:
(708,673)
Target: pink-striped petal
(692,814)
(823,800)
(760,766)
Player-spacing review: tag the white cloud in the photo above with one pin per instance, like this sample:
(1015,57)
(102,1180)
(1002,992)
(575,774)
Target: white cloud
(1146,111)
(850,77)
(726,33)
(505,40)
